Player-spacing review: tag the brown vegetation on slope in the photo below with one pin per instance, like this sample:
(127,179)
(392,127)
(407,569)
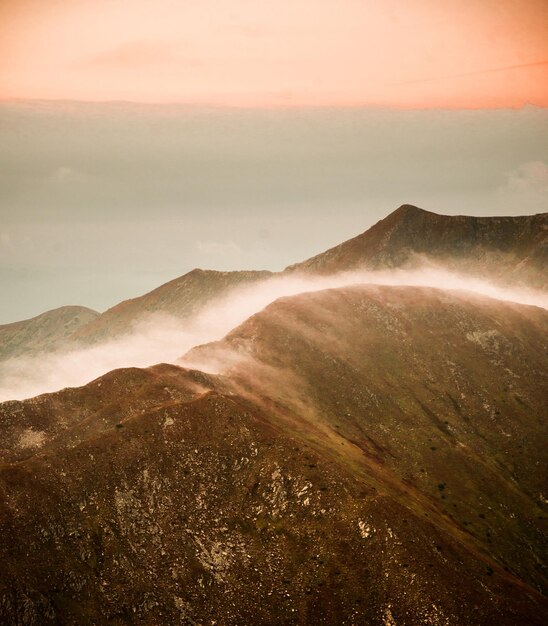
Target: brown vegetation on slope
(361,461)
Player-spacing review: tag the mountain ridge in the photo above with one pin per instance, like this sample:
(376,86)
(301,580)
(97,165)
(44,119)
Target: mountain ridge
(326,475)
(181,297)
(518,245)
(510,251)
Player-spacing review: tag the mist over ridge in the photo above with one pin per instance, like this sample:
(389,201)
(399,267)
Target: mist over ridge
(360,436)
(159,337)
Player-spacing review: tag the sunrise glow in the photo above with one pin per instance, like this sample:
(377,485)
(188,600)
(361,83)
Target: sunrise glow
(412,53)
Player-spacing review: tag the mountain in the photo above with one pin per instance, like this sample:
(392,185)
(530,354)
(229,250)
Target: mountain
(508,250)
(511,250)
(469,414)
(72,326)
(43,332)
(361,455)
(181,297)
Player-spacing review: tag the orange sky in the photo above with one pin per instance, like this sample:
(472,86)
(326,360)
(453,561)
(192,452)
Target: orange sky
(398,53)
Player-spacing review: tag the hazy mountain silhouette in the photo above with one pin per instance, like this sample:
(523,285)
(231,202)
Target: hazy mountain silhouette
(43,332)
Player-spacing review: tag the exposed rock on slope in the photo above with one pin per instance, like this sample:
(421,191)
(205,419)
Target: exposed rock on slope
(362,460)
(43,332)
(447,389)
(507,249)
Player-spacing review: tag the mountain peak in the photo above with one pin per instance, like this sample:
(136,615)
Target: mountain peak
(410,211)
(509,249)
(405,209)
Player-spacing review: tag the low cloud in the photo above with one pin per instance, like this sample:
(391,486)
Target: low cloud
(159,337)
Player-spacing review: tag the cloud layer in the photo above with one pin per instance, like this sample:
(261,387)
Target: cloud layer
(161,338)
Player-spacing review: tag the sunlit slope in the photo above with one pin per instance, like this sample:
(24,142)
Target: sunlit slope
(508,250)
(440,394)
(365,455)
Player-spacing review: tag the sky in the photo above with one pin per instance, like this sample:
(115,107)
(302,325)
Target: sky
(399,53)
(142,139)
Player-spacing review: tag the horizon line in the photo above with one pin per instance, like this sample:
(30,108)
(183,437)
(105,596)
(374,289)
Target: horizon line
(265,106)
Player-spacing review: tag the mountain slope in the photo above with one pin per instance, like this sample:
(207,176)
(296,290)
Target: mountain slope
(43,332)
(359,460)
(181,297)
(448,388)
(507,249)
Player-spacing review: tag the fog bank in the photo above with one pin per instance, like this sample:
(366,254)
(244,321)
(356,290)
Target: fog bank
(159,337)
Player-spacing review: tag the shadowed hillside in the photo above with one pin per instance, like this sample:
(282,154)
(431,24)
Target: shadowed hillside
(362,455)
(447,389)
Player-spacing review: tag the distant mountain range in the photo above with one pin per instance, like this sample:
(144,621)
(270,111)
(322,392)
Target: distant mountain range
(366,454)
(505,250)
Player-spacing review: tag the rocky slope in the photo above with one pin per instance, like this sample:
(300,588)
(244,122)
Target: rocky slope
(362,455)
(43,332)
(510,250)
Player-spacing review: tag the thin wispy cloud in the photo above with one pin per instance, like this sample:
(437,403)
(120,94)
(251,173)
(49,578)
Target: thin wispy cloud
(493,70)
